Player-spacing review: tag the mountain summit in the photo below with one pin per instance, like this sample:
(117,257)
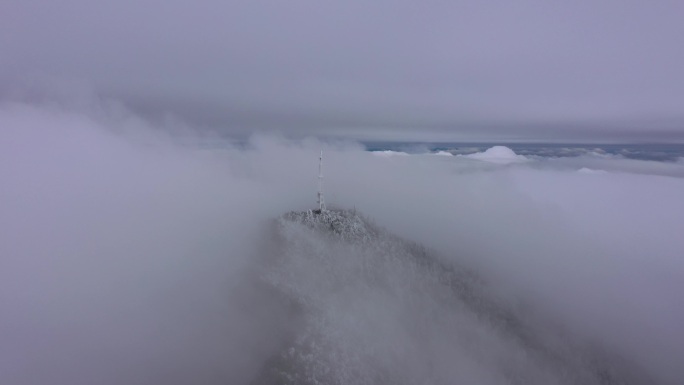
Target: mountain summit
(369,307)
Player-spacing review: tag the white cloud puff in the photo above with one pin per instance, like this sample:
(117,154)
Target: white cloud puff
(499,155)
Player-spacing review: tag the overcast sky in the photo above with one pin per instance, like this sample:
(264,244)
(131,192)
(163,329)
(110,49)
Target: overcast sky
(420,70)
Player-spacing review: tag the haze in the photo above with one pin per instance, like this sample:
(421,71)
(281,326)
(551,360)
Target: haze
(149,148)
(127,257)
(438,70)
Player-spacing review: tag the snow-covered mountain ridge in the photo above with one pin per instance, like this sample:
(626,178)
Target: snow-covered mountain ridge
(374,308)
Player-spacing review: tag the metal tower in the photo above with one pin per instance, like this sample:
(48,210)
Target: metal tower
(321,202)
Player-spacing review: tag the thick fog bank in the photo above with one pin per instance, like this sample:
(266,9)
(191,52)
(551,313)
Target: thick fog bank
(136,254)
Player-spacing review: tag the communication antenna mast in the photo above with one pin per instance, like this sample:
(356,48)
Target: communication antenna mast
(321,202)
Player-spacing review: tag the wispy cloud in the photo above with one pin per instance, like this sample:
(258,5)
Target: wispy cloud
(130,254)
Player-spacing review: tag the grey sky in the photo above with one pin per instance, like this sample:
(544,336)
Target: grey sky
(430,70)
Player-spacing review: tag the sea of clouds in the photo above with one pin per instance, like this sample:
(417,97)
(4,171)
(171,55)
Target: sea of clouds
(128,249)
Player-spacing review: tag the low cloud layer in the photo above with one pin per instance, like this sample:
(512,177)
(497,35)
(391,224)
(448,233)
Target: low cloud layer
(131,255)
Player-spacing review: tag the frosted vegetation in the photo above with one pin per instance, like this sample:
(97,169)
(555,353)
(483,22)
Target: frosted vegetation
(377,309)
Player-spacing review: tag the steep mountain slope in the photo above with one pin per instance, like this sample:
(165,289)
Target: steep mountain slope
(373,308)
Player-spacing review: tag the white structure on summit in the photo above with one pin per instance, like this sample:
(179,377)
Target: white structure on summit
(321,202)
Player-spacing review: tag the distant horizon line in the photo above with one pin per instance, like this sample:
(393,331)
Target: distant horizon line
(570,143)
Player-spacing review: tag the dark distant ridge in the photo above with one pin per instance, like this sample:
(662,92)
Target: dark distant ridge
(663,152)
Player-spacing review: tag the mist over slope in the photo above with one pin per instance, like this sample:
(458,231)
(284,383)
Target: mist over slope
(377,309)
(131,255)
